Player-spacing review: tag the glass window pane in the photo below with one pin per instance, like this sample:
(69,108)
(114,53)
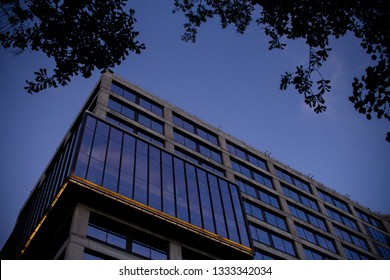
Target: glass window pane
(116,89)
(168,185)
(110,180)
(141,172)
(95,171)
(81,165)
(129,96)
(99,147)
(195,216)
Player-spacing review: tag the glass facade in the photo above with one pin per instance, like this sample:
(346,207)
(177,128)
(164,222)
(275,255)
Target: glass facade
(140,171)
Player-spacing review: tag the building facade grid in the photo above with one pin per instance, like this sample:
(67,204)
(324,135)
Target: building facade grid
(137,146)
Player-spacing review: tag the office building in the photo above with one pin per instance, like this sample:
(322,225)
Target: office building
(138,178)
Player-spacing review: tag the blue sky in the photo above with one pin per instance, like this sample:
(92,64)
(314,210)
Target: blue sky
(226,79)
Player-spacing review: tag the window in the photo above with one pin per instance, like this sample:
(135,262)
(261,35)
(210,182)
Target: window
(378,236)
(265,215)
(341,218)
(312,254)
(194,128)
(138,99)
(258,193)
(332,200)
(284,175)
(304,199)
(251,173)
(236,150)
(353,254)
(307,216)
(315,238)
(369,219)
(197,146)
(384,252)
(131,241)
(270,239)
(260,255)
(350,237)
(135,115)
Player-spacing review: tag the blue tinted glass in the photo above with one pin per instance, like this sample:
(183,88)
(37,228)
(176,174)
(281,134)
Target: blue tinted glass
(188,126)
(263,236)
(90,123)
(99,147)
(114,105)
(155,194)
(168,185)
(239,215)
(176,120)
(114,154)
(116,89)
(144,120)
(110,180)
(229,212)
(158,127)
(97,233)
(217,206)
(127,164)
(208,218)
(129,96)
(130,113)
(116,240)
(141,172)
(157,110)
(145,104)
(190,143)
(289,248)
(181,190)
(278,243)
(81,165)
(126,184)
(102,128)
(95,171)
(195,215)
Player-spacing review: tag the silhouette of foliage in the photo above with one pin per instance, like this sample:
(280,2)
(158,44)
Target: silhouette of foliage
(314,21)
(87,34)
(80,35)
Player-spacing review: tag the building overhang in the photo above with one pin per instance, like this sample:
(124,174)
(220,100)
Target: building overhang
(78,190)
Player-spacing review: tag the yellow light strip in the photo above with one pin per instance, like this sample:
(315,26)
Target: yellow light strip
(43,218)
(144,208)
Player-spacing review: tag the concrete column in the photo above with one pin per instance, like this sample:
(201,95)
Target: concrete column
(103,96)
(79,226)
(174,251)
(226,158)
(168,130)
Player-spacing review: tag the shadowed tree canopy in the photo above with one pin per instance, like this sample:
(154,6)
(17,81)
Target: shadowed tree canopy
(314,21)
(86,34)
(79,35)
